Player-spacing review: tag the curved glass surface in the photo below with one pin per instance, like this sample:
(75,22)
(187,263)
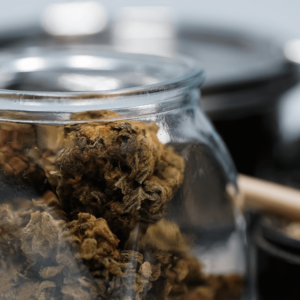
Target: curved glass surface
(124,191)
(63,77)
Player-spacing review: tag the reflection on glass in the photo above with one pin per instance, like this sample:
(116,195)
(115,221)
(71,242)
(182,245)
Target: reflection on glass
(292,50)
(88,62)
(288,116)
(29,64)
(80,82)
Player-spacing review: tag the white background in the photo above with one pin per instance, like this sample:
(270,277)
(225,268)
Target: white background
(277,18)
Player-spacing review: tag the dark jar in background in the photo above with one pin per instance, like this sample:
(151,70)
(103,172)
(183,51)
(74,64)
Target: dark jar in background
(246,76)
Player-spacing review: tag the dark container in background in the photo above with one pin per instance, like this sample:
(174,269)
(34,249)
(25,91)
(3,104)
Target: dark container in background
(245,78)
(274,261)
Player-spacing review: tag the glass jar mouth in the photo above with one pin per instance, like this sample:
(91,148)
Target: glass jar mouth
(73,79)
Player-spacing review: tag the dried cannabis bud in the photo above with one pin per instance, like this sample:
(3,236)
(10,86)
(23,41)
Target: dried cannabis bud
(226,286)
(119,171)
(95,241)
(39,236)
(44,264)
(24,154)
(9,233)
(180,274)
(13,139)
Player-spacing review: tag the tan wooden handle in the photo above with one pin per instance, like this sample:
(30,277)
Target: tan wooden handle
(270,196)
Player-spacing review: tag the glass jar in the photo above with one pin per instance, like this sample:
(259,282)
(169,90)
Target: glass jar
(114,185)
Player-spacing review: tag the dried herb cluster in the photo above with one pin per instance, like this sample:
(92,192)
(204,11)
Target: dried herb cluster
(119,171)
(106,187)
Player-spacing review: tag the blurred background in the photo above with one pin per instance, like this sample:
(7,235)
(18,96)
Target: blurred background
(279,18)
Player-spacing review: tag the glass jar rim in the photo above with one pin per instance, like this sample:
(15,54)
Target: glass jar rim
(42,58)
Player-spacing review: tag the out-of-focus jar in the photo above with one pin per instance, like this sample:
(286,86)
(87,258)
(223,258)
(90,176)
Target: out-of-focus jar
(114,185)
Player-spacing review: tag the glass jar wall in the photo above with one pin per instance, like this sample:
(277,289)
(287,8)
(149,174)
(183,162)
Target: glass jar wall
(121,192)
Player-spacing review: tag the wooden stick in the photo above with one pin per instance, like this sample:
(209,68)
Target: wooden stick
(270,196)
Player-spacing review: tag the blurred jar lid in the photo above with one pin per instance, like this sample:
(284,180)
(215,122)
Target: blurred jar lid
(245,74)
(145,29)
